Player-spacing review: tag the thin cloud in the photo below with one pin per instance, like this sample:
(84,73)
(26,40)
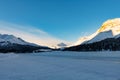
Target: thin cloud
(30,34)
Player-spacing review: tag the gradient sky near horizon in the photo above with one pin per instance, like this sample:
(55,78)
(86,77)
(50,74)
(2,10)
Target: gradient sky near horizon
(67,20)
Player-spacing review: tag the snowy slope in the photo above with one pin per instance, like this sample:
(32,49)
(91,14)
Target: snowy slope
(85,39)
(101,36)
(112,25)
(60,66)
(117,36)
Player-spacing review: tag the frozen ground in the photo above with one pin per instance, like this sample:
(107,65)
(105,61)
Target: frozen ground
(60,66)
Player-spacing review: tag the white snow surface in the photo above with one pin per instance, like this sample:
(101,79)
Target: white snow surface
(60,66)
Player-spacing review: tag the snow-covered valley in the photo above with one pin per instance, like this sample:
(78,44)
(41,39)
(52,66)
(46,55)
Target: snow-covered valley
(60,66)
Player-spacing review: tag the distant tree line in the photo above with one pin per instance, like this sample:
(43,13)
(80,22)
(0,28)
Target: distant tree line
(18,48)
(111,44)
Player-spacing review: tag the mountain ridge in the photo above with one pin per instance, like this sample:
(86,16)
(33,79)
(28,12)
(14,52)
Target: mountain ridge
(106,37)
(109,25)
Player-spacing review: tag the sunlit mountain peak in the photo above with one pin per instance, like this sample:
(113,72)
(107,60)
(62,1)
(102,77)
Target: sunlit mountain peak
(112,24)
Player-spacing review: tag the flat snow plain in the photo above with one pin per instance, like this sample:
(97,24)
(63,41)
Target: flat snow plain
(60,66)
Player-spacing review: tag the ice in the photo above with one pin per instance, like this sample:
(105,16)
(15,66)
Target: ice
(60,66)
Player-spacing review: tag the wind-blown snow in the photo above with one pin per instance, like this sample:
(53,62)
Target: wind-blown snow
(60,66)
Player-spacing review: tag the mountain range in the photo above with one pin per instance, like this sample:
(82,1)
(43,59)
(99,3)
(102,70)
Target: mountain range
(105,38)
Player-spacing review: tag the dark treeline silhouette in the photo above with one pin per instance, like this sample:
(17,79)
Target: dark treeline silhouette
(111,44)
(18,48)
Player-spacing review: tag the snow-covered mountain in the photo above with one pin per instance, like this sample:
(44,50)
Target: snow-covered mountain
(61,45)
(10,43)
(113,24)
(109,29)
(5,38)
(107,38)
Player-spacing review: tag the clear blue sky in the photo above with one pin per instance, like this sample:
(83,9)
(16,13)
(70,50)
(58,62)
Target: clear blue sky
(64,19)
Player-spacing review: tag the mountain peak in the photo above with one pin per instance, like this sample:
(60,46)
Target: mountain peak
(13,39)
(112,24)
